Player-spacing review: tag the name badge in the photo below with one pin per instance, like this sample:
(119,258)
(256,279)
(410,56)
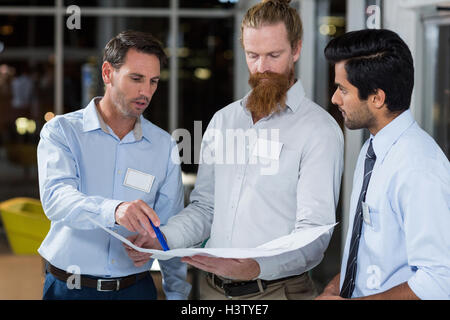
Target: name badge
(267,149)
(138,180)
(366,213)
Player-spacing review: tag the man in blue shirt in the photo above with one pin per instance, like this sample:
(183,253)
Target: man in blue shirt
(398,239)
(106,162)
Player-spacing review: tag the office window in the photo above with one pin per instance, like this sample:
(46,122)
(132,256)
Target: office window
(27,3)
(26,96)
(119,3)
(436,81)
(216,4)
(205,71)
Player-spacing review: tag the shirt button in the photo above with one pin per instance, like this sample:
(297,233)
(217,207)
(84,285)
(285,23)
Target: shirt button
(112,261)
(119,171)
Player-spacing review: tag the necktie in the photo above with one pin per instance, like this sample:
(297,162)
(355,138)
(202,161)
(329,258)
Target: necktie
(350,273)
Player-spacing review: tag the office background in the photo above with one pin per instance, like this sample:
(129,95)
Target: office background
(50,65)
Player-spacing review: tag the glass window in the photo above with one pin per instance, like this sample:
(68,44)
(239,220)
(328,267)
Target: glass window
(26,31)
(26,98)
(436,111)
(35,3)
(330,23)
(119,3)
(208,4)
(205,71)
(83,53)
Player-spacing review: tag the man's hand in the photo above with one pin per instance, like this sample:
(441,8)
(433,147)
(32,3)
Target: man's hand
(141,258)
(134,216)
(331,291)
(324,296)
(236,269)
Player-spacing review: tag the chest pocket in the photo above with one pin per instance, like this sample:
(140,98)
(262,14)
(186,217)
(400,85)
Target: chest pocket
(276,176)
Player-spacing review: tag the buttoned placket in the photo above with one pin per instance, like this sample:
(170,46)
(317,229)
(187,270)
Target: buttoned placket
(240,177)
(119,176)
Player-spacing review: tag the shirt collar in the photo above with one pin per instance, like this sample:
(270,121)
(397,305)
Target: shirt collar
(389,135)
(293,97)
(92,120)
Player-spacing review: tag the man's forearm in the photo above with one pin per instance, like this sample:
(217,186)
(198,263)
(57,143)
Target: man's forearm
(400,292)
(333,285)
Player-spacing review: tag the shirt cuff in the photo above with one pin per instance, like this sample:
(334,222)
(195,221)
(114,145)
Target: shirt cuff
(426,287)
(269,268)
(174,238)
(108,212)
(175,296)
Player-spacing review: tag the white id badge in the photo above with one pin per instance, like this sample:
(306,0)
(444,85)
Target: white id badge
(138,180)
(267,149)
(366,213)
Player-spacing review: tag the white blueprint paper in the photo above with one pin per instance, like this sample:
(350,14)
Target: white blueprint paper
(272,248)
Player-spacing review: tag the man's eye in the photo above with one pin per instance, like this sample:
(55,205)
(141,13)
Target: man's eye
(136,79)
(274,55)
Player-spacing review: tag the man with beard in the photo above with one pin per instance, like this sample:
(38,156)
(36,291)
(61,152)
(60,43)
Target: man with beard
(285,179)
(108,163)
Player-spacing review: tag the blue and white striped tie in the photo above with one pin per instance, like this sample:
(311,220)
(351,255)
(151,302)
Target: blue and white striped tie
(350,273)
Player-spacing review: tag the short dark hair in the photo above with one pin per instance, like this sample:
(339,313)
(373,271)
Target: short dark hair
(376,59)
(116,49)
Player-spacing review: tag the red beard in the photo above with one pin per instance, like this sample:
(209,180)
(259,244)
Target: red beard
(269,92)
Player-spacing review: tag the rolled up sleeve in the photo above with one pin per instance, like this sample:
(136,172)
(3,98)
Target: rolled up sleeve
(425,203)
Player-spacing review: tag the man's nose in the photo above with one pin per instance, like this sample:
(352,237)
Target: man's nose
(335,99)
(146,90)
(263,65)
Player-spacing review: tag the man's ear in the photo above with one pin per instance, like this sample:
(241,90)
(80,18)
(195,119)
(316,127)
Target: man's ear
(377,99)
(107,72)
(297,50)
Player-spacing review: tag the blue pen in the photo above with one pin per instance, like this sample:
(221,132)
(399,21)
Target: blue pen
(160,237)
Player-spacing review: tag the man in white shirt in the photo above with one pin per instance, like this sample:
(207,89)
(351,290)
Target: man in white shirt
(271,165)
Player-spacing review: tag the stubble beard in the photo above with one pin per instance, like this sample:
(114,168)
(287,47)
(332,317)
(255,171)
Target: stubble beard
(122,106)
(363,118)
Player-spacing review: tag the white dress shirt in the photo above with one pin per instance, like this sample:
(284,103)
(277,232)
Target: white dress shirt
(245,197)
(405,235)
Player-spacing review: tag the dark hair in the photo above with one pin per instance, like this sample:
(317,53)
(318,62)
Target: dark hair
(376,59)
(116,49)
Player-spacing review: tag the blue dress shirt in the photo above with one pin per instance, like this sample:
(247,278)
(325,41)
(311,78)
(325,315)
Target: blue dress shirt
(82,167)
(405,235)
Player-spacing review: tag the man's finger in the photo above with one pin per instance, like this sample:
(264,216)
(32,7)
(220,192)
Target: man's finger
(137,225)
(143,219)
(150,213)
(140,241)
(132,238)
(126,223)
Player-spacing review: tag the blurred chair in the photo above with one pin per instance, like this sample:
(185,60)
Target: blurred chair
(25,224)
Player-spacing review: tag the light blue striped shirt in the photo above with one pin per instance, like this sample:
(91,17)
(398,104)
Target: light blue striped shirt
(405,237)
(82,167)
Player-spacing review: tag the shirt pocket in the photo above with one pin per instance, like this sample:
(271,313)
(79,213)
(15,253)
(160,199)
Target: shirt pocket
(131,193)
(277,176)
